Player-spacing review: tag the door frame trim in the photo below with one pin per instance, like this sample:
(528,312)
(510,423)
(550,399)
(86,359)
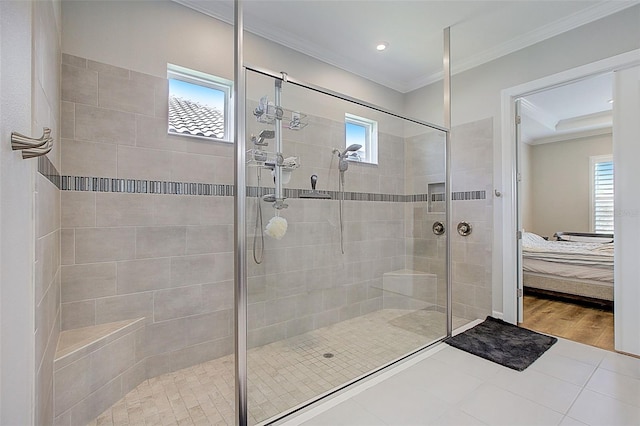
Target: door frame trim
(509,202)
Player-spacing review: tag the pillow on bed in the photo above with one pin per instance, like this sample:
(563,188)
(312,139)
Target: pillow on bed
(531,239)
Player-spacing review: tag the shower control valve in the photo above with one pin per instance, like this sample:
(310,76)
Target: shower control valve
(438,228)
(464,228)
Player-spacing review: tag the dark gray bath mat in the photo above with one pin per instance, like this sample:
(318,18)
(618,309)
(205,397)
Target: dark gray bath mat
(503,343)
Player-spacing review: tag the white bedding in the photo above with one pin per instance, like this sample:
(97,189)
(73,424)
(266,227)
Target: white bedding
(576,260)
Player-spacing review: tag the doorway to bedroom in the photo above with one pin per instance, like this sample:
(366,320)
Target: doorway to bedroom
(565,210)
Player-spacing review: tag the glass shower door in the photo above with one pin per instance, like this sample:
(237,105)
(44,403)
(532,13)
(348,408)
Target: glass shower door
(345,272)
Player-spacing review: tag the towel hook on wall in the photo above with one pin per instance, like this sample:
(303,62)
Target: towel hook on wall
(32,147)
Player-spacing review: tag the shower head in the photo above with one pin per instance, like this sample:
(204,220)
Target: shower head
(265,134)
(351,148)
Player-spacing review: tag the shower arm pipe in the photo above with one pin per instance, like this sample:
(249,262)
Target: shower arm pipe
(285,77)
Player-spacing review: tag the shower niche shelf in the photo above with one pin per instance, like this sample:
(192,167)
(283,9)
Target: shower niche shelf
(436,194)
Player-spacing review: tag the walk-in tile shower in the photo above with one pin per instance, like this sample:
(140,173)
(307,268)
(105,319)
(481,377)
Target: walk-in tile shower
(328,303)
(344,272)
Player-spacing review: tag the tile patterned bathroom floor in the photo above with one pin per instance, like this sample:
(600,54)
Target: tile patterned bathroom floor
(281,374)
(570,384)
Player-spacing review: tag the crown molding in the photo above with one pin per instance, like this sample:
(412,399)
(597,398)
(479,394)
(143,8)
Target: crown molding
(607,130)
(538,114)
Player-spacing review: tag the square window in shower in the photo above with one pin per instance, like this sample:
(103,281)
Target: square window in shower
(199,104)
(364,132)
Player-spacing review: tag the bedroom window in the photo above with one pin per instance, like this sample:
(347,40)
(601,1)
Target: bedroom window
(199,104)
(362,131)
(602,194)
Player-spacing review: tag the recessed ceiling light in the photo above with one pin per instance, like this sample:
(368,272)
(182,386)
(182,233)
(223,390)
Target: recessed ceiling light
(610,101)
(382,46)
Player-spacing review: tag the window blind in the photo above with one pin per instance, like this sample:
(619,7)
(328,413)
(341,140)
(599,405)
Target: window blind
(603,196)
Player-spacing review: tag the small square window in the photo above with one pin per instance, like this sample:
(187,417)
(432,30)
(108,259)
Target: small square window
(362,131)
(199,104)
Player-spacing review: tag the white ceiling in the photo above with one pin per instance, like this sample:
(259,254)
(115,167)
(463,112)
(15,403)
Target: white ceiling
(345,33)
(580,108)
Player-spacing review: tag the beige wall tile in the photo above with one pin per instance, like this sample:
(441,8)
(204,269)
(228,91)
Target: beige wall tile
(78,209)
(216,211)
(78,314)
(47,207)
(67,246)
(166,336)
(71,384)
(201,269)
(177,209)
(81,158)
(130,306)
(104,125)
(111,360)
(266,335)
(160,241)
(82,282)
(151,132)
(123,94)
(217,296)
(175,360)
(193,168)
(143,275)
(134,376)
(104,244)
(67,120)
(103,68)
(209,239)
(141,163)
(79,85)
(148,79)
(213,147)
(47,326)
(47,264)
(97,402)
(280,310)
(210,326)
(177,303)
(188,270)
(223,173)
(122,209)
(162,100)
(76,61)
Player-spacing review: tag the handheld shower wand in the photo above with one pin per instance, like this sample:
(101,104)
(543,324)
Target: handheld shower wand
(343,165)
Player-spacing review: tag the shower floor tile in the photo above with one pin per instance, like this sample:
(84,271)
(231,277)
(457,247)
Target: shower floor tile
(281,375)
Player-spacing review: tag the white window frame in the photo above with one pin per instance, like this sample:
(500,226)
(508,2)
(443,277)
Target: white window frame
(371,138)
(593,160)
(177,72)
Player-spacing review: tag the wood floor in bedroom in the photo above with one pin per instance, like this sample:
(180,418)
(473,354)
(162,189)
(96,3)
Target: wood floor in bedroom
(589,325)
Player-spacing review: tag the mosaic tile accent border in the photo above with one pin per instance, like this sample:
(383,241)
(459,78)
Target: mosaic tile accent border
(140,186)
(48,170)
(468,195)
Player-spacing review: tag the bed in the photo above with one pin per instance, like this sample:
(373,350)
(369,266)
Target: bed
(575,265)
